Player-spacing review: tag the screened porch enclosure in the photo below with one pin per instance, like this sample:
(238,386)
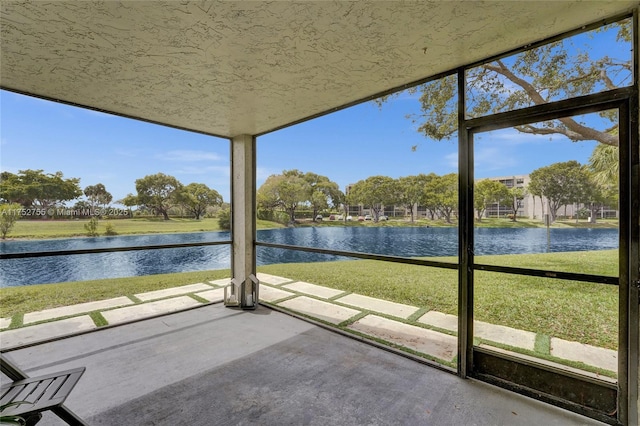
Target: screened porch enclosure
(267,73)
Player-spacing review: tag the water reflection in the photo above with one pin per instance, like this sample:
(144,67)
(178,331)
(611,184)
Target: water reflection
(405,242)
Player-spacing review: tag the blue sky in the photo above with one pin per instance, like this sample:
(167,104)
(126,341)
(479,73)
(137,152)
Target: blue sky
(345,146)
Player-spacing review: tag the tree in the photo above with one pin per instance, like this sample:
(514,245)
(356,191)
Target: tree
(604,166)
(97,195)
(322,191)
(82,208)
(443,191)
(486,193)
(589,192)
(34,188)
(129,201)
(534,77)
(516,195)
(5,184)
(286,191)
(429,197)
(196,197)
(411,191)
(552,72)
(561,183)
(534,189)
(157,192)
(341,202)
(9,214)
(374,192)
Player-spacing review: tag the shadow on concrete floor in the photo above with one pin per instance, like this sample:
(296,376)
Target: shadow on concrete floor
(217,366)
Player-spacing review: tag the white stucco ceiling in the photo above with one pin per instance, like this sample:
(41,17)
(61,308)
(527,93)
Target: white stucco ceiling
(247,67)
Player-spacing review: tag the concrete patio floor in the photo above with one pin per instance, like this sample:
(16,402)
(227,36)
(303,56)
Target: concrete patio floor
(218,366)
(430,333)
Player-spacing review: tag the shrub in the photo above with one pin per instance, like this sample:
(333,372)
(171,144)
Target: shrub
(109,229)
(9,214)
(224,219)
(274,216)
(92,227)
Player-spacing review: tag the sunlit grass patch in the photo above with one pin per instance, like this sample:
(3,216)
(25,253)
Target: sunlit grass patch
(48,228)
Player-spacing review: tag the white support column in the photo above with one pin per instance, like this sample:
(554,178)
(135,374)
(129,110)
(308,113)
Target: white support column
(243,225)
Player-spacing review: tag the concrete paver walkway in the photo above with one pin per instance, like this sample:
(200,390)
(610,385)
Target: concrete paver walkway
(438,345)
(313,289)
(272,279)
(592,355)
(492,332)
(47,330)
(432,334)
(168,292)
(215,295)
(377,305)
(326,311)
(129,313)
(271,294)
(5,323)
(81,308)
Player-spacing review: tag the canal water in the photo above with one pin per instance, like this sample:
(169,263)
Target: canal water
(405,242)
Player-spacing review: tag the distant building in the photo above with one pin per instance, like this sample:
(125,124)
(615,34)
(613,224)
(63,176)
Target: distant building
(530,207)
(534,207)
(527,207)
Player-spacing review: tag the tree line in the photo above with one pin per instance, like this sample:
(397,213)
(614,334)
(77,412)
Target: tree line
(156,193)
(557,185)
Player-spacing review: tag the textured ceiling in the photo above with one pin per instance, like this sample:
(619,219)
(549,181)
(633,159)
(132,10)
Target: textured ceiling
(229,68)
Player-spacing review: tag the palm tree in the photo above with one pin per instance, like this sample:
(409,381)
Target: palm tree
(605,165)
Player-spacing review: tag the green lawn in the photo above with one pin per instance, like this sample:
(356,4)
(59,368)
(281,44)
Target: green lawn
(42,229)
(583,312)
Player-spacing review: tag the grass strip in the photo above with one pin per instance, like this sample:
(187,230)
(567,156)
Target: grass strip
(17,320)
(98,319)
(197,298)
(542,344)
(67,228)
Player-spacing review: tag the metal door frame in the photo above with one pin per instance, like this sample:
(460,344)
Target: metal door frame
(606,402)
